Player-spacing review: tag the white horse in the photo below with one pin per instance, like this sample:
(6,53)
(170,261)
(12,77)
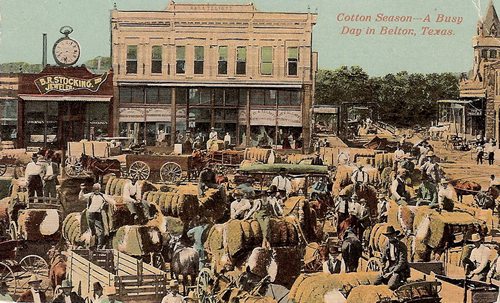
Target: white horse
(436,132)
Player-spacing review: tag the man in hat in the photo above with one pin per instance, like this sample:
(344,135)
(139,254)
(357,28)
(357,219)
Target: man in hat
(98,296)
(479,154)
(206,180)
(426,192)
(282,182)
(319,189)
(173,296)
(33,175)
(395,267)
(227,141)
(110,295)
(240,206)
(342,203)
(50,178)
(4,293)
(431,167)
(212,137)
(132,196)
(334,264)
(477,265)
(317,159)
(96,205)
(67,295)
(198,235)
(382,206)
(34,294)
(361,212)
(359,176)
(262,210)
(192,297)
(352,250)
(445,196)
(398,187)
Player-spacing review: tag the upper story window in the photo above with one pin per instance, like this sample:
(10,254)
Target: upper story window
(131,59)
(156,59)
(293,59)
(148,95)
(484,53)
(266,60)
(493,53)
(199,57)
(241,60)
(222,66)
(180,54)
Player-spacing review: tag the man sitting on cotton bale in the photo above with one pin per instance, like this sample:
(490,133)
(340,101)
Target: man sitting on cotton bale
(240,206)
(173,296)
(395,269)
(282,182)
(398,187)
(334,264)
(132,195)
(262,210)
(96,204)
(426,192)
(382,206)
(477,265)
(207,180)
(445,196)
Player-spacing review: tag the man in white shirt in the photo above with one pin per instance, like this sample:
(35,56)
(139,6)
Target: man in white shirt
(132,195)
(398,154)
(445,196)
(240,206)
(477,265)
(173,296)
(282,182)
(33,175)
(359,177)
(34,294)
(212,137)
(96,205)
(227,140)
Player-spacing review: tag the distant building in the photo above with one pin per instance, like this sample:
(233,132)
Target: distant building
(196,66)
(9,84)
(481,91)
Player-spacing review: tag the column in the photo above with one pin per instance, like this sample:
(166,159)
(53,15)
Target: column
(306,116)
(173,117)
(248,131)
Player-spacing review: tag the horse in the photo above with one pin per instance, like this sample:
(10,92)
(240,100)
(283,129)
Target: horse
(485,200)
(184,261)
(465,188)
(50,153)
(436,132)
(350,223)
(57,269)
(100,167)
(351,251)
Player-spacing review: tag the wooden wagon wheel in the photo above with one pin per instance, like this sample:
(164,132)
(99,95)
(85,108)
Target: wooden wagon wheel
(139,170)
(3,169)
(205,287)
(7,275)
(13,231)
(73,167)
(170,172)
(34,265)
(373,264)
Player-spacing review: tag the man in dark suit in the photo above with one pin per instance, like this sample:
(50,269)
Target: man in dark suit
(34,294)
(67,295)
(50,178)
(395,269)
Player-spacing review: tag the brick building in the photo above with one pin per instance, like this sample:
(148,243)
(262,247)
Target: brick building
(196,66)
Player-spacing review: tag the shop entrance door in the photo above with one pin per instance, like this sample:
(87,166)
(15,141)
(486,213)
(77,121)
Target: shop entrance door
(72,119)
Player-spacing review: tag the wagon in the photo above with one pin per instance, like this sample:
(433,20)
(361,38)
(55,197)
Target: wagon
(467,291)
(164,168)
(14,272)
(73,165)
(135,281)
(6,162)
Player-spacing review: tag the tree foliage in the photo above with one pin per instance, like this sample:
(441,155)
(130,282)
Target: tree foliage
(400,99)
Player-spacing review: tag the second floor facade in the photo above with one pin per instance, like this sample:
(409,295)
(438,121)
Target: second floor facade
(208,43)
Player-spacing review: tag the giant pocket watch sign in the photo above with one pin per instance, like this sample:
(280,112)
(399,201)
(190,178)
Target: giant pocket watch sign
(66,51)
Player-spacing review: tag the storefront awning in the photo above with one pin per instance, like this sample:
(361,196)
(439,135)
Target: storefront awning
(75,98)
(213,84)
(456,101)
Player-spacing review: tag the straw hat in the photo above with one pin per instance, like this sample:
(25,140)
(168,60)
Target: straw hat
(34,279)
(474,238)
(192,297)
(430,153)
(173,284)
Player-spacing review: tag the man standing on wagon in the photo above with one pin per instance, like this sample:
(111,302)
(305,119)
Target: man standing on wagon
(50,178)
(33,175)
(281,182)
(96,203)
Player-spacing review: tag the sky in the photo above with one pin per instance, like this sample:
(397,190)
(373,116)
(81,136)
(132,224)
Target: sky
(22,23)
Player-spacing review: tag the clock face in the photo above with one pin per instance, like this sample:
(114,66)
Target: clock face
(66,51)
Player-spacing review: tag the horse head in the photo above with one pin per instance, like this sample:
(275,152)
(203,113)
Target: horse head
(262,262)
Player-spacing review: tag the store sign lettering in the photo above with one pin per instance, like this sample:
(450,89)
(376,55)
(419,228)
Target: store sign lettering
(64,84)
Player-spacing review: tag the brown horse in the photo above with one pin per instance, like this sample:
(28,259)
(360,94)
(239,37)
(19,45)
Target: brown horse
(465,188)
(350,222)
(100,167)
(50,153)
(57,270)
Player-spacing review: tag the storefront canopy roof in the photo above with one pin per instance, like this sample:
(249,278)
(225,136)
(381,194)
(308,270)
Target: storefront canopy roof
(456,101)
(76,98)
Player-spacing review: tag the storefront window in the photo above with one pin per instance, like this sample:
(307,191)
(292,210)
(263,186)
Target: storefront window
(293,58)
(98,117)
(241,60)
(8,120)
(137,95)
(181,95)
(232,96)
(262,136)
(295,98)
(165,95)
(199,57)
(205,96)
(257,97)
(194,96)
(219,96)
(152,95)
(125,94)
(41,123)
